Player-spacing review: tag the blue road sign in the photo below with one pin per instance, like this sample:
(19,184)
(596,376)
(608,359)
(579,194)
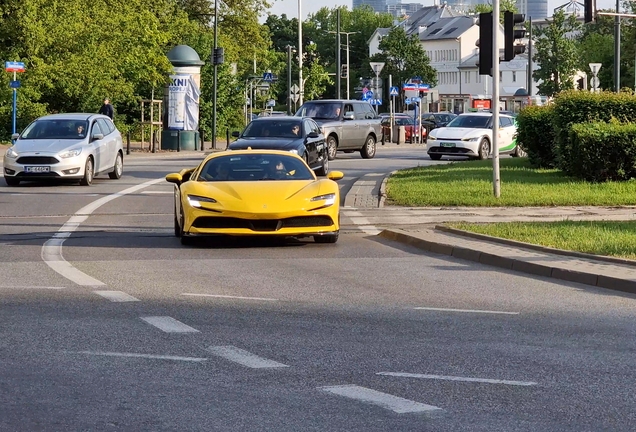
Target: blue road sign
(376,101)
(268,76)
(424,86)
(416,99)
(394,91)
(14,66)
(407,101)
(14,84)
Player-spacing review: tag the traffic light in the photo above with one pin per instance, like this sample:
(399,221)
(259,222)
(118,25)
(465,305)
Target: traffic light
(343,71)
(511,50)
(590,10)
(484,43)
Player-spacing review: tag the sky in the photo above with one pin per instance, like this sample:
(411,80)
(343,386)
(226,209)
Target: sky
(290,7)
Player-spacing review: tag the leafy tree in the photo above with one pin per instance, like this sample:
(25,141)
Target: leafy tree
(505,5)
(404,58)
(555,51)
(317,78)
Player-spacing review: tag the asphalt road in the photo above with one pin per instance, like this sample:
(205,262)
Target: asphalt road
(111,324)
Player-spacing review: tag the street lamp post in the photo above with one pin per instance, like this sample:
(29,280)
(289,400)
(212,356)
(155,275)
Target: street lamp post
(347,60)
(289,79)
(301,84)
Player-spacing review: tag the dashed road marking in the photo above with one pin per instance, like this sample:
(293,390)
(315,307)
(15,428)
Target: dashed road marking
(148,356)
(245,358)
(384,400)
(230,297)
(52,249)
(117,296)
(466,311)
(454,378)
(31,287)
(169,324)
(159,192)
(362,222)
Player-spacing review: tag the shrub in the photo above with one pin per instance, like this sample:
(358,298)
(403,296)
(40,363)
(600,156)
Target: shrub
(603,151)
(535,135)
(573,107)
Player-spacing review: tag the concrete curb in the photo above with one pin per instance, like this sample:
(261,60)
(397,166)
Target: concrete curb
(544,249)
(496,260)
(383,188)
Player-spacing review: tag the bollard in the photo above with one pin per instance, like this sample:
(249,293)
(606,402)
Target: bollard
(202,133)
(178,141)
(128,143)
(154,141)
(227,137)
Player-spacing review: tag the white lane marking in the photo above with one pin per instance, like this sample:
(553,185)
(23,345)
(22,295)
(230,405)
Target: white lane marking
(467,311)
(52,249)
(361,222)
(159,192)
(169,324)
(148,356)
(242,357)
(384,400)
(230,297)
(454,378)
(117,296)
(32,287)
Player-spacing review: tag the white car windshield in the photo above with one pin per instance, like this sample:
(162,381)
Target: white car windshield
(56,129)
(470,121)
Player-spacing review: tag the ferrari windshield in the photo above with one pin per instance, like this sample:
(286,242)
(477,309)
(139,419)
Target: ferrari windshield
(255,167)
(56,129)
(470,121)
(273,128)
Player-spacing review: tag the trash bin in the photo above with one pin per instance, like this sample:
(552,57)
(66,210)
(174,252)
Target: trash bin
(399,134)
(178,139)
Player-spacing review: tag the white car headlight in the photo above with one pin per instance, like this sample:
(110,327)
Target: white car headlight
(471,139)
(12,154)
(294,151)
(329,199)
(71,153)
(195,201)
(432,137)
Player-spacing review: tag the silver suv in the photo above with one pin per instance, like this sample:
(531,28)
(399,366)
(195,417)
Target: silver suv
(348,125)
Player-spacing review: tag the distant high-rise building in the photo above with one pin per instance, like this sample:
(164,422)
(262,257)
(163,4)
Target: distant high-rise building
(403,9)
(377,5)
(535,9)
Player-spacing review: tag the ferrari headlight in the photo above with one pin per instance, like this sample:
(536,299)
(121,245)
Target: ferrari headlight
(71,153)
(329,199)
(294,151)
(12,154)
(195,201)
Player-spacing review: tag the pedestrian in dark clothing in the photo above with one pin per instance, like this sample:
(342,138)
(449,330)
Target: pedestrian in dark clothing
(107,109)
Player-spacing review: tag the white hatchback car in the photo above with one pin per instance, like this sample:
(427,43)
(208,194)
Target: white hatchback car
(65,146)
(470,135)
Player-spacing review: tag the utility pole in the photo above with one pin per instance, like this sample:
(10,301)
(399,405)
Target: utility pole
(496,181)
(289,80)
(348,65)
(338,60)
(617,48)
(530,79)
(301,84)
(215,62)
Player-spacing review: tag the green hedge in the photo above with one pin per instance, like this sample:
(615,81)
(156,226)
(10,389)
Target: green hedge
(602,151)
(575,106)
(535,135)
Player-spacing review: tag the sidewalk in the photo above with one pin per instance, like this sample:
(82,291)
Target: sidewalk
(418,227)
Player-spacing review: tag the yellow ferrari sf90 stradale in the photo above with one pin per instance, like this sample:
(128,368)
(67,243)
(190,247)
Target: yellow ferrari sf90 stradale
(255,192)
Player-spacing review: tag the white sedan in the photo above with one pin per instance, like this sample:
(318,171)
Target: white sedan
(65,146)
(470,135)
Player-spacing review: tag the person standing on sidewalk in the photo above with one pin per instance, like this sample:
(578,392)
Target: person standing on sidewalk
(107,109)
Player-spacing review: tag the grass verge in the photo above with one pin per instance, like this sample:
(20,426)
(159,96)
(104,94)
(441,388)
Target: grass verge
(469,183)
(610,238)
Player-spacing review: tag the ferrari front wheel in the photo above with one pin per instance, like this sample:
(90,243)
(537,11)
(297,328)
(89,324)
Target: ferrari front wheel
(185,240)
(327,238)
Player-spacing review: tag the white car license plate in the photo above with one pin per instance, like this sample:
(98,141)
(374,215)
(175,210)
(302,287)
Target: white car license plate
(447,144)
(38,169)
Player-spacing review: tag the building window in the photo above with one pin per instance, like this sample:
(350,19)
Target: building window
(514,77)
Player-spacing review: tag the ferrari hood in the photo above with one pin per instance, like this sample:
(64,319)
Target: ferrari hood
(259,196)
(458,133)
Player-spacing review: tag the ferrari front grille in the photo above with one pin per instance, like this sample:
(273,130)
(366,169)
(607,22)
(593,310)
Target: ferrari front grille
(212,222)
(37,160)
